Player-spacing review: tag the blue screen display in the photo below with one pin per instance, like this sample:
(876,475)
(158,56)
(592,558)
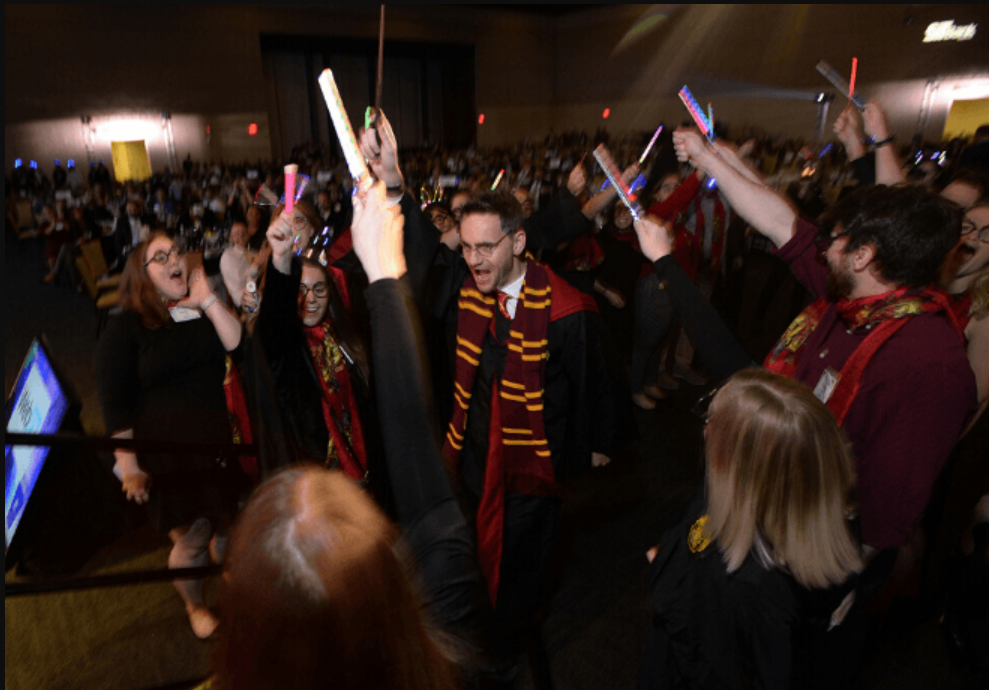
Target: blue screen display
(37,405)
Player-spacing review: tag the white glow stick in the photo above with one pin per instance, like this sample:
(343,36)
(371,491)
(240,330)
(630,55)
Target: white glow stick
(345,133)
(603,157)
(498,180)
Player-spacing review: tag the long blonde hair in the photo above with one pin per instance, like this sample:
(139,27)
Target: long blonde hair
(779,474)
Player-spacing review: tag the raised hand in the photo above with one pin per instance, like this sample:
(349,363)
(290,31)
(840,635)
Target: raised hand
(654,238)
(874,120)
(690,146)
(382,158)
(281,239)
(577,180)
(199,291)
(377,232)
(848,129)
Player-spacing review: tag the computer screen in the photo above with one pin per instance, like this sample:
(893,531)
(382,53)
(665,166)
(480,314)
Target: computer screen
(37,405)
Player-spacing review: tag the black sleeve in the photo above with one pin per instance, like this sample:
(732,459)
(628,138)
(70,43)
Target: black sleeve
(434,529)
(715,344)
(421,242)
(600,414)
(559,221)
(117,374)
(865,170)
(278,321)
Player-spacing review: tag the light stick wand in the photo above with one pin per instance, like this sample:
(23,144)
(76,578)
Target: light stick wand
(345,133)
(651,142)
(694,108)
(603,157)
(837,81)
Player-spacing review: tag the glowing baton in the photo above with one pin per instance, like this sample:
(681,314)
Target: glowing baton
(695,111)
(837,81)
(345,133)
(851,82)
(651,142)
(291,171)
(497,180)
(710,115)
(603,157)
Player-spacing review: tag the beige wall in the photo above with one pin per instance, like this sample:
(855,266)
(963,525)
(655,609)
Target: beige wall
(203,64)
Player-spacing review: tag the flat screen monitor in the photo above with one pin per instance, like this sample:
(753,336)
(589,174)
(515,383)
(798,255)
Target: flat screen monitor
(37,405)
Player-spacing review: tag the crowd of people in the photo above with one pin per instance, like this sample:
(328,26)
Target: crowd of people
(426,359)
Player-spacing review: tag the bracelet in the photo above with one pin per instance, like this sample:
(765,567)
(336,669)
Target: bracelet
(882,142)
(209,303)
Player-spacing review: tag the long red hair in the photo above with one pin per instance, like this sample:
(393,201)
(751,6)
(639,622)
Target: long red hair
(137,293)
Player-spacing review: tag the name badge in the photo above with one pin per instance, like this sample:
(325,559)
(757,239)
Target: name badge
(825,387)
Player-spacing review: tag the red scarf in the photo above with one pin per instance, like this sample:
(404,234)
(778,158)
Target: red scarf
(240,422)
(518,453)
(884,314)
(584,253)
(343,423)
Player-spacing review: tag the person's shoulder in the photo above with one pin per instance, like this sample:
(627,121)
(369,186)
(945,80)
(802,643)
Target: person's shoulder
(567,301)
(928,338)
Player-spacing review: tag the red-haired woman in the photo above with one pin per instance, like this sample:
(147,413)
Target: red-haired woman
(160,368)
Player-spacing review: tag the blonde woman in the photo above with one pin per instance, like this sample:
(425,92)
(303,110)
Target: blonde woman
(748,587)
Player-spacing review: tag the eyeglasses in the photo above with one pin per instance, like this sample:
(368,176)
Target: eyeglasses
(319,289)
(484,250)
(968,227)
(824,240)
(441,219)
(161,257)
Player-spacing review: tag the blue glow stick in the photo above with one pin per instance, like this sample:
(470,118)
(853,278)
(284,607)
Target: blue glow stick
(694,108)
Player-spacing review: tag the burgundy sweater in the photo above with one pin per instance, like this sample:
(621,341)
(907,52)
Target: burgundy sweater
(916,395)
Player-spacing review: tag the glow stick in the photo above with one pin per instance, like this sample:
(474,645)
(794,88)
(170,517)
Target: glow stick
(851,82)
(345,133)
(837,81)
(651,142)
(291,171)
(695,111)
(497,180)
(710,115)
(603,157)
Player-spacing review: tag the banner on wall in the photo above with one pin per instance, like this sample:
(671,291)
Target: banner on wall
(130,160)
(965,117)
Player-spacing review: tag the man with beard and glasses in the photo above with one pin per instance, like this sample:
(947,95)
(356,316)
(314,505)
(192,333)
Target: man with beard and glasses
(881,346)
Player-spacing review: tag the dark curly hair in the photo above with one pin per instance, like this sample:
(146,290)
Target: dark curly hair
(912,230)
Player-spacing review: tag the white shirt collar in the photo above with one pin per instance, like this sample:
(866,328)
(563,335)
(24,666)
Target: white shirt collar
(513,290)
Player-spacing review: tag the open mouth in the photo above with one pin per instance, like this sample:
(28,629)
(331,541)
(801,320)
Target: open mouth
(966,250)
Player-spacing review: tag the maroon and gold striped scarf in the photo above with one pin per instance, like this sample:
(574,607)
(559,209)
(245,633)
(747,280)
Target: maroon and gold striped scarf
(518,453)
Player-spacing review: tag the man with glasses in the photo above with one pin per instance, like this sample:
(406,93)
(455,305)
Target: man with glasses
(537,400)
(881,347)
(536,395)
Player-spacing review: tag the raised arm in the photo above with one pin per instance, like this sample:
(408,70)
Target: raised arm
(764,209)
(420,238)
(600,201)
(888,170)
(716,346)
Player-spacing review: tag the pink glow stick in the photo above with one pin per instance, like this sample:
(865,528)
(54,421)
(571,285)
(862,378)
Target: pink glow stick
(291,170)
